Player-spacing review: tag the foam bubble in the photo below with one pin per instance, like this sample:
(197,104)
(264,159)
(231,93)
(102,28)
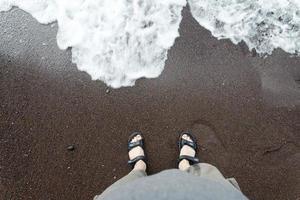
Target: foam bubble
(117,41)
(263,25)
(120,41)
(43,10)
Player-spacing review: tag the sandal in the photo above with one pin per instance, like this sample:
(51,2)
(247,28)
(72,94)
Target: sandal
(131,145)
(193,144)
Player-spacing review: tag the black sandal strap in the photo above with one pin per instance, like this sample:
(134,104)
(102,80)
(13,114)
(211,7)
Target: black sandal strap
(189,143)
(136,159)
(192,160)
(131,145)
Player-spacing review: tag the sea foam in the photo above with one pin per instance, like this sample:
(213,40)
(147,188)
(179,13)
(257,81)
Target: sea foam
(120,41)
(263,25)
(116,41)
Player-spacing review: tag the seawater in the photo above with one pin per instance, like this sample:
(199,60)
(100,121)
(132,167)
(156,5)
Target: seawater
(121,41)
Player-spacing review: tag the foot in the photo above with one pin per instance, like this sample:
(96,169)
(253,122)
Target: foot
(188,151)
(135,152)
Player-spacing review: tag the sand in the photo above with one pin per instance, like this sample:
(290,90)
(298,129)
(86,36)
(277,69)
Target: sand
(244,110)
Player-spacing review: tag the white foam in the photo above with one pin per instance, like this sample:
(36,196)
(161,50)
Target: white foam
(43,10)
(116,41)
(120,41)
(262,24)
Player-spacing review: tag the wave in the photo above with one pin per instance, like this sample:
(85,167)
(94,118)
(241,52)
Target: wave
(117,41)
(263,25)
(121,41)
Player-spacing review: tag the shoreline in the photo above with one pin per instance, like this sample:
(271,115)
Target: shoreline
(245,115)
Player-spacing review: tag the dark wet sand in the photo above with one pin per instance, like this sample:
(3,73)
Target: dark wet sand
(245,111)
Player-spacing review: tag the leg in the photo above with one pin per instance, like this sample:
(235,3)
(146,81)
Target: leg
(188,151)
(202,169)
(138,171)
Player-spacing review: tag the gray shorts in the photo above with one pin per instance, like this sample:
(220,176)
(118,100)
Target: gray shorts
(202,169)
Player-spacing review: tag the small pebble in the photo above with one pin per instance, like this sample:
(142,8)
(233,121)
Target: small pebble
(71,148)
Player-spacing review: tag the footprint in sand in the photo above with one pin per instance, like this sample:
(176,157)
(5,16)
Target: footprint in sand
(213,150)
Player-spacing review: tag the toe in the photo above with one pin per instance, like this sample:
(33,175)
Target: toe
(138,137)
(187,137)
